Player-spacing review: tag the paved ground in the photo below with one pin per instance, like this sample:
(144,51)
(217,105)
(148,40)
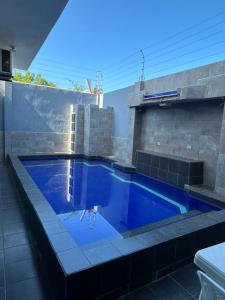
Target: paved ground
(19,264)
(20,268)
(180,285)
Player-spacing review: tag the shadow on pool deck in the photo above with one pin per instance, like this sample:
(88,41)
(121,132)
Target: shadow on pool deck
(21,270)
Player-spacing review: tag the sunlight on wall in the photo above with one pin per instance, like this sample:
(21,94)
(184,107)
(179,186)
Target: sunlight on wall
(69,147)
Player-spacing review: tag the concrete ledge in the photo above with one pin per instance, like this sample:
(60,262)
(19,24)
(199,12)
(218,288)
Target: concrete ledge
(124,167)
(204,192)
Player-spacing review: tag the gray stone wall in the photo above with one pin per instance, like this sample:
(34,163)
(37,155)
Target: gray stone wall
(38,118)
(220,167)
(185,78)
(39,142)
(98,130)
(189,131)
(120,149)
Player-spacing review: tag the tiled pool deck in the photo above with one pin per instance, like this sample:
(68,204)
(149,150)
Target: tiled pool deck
(20,268)
(20,278)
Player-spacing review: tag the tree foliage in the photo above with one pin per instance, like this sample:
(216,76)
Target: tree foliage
(30,77)
(77,87)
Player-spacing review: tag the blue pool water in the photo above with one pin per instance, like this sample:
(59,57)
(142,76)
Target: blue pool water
(96,201)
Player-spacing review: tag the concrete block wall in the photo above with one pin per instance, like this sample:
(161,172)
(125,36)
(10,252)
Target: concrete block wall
(189,131)
(98,130)
(120,149)
(185,78)
(220,167)
(38,118)
(122,144)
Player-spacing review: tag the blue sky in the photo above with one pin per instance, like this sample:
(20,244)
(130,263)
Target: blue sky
(106,35)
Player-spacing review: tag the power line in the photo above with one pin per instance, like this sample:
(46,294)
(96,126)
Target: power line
(52,72)
(62,64)
(173,58)
(172,44)
(172,67)
(170,37)
(59,67)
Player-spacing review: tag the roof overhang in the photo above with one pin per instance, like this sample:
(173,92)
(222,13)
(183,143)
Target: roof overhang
(25,24)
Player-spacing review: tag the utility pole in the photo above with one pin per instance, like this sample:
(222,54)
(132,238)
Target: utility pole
(99,86)
(99,81)
(142,76)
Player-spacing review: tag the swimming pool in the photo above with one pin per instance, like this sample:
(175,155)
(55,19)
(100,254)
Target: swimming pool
(97,202)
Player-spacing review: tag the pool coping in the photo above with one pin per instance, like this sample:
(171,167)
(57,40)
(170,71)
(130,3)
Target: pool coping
(74,260)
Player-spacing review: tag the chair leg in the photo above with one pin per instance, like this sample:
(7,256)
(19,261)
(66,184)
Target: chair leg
(210,290)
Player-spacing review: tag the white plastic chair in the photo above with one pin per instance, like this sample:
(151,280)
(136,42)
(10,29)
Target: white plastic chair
(210,290)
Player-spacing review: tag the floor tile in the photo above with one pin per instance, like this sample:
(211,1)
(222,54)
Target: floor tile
(13,228)
(20,271)
(144,293)
(30,289)
(15,239)
(2,293)
(1,242)
(11,216)
(10,204)
(2,277)
(188,278)
(1,259)
(167,288)
(15,254)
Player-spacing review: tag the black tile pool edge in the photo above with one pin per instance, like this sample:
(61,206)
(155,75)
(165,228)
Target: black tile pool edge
(113,268)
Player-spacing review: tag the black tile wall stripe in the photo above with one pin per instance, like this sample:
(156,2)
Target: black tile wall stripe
(173,170)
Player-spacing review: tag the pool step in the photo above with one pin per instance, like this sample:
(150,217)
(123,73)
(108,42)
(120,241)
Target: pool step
(173,219)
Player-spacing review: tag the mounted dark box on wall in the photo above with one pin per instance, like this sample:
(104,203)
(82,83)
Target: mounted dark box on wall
(5,65)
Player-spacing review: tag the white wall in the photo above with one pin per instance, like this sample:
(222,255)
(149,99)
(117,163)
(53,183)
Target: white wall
(118,99)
